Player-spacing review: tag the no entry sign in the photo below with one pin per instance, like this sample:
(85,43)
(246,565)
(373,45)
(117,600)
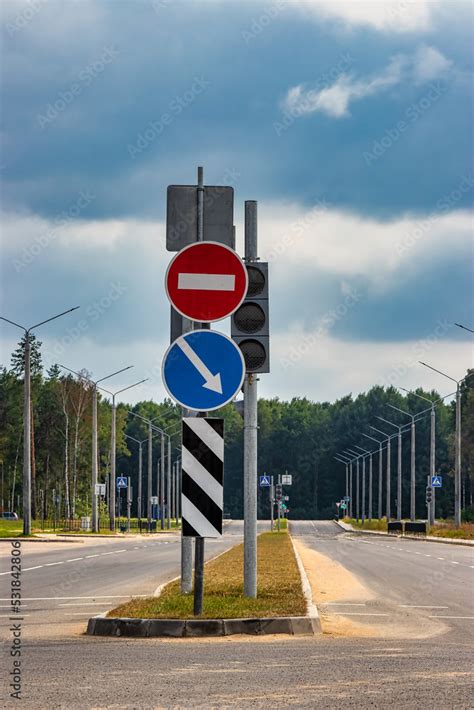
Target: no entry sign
(206,281)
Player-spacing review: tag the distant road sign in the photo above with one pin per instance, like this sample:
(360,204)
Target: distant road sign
(100,489)
(286,479)
(121,482)
(347,499)
(437,481)
(203,370)
(206,281)
(343,506)
(264,480)
(154,500)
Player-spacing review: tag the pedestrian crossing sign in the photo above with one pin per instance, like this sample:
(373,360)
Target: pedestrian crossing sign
(264,480)
(436,481)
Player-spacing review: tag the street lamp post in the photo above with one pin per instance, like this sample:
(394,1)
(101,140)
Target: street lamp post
(369,454)
(379,490)
(388,474)
(27,417)
(412,462)
(113,448)
(399,465)
(356,456)
(95,437)
(457,452)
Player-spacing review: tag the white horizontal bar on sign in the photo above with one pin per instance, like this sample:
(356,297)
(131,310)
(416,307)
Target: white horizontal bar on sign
(207,282)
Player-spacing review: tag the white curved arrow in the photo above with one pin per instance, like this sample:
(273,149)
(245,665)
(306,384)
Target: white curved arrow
(211,382)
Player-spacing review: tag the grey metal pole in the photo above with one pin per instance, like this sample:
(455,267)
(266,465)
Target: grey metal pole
(399,477)
(370,487)
(357,492)
(171,507)
(157,489)
(139,502)
(457,461)
(412,474)
(279,506)
(198,576)
(112,465)
(347,479)
(379,511)
(388,509)
(271,503)
(27,439)
(432,508)
(162,481)
(168,487)
(150,476)
(95,522)
(363,489)
(250,434)
(350,490)
(129,501)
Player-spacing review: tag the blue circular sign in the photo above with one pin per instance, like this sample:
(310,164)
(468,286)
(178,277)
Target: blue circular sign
(203,370)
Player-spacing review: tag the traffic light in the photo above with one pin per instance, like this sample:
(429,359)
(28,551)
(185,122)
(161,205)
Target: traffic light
(250,322)
(278,491)
(429,494)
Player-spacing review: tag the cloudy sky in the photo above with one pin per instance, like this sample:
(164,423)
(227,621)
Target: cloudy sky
(349,122)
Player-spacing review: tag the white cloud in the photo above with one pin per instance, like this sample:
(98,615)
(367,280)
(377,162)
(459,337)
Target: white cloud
(426,64)
(429,64)
(382,15)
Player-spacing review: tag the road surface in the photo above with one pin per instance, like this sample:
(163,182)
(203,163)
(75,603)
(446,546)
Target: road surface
(65,669)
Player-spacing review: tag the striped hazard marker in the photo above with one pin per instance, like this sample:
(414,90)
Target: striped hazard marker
(202,493)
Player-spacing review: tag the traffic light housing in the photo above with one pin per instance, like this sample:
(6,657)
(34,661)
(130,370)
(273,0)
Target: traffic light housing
(278,491)
(429,494)
(250,328)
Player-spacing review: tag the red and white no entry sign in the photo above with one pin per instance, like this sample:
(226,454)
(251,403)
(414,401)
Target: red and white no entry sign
(206,281)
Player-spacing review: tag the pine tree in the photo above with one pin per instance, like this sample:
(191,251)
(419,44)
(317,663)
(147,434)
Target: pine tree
(18,357)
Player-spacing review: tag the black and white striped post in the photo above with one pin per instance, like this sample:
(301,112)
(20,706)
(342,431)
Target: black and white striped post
(202,493)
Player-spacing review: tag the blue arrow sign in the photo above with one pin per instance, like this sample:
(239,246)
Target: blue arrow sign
(121,482)
(436,481)
(264,480)
(203,370)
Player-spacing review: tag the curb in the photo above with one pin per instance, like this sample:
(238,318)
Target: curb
(194,628)
(427,538)
(35,539)
(312,611)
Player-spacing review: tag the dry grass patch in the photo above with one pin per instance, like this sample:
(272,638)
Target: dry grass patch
(279,587)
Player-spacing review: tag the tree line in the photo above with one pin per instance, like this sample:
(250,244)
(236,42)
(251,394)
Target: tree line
(299,436)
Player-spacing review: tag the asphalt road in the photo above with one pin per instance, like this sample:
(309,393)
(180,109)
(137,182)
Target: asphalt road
(424,587)
(65,669)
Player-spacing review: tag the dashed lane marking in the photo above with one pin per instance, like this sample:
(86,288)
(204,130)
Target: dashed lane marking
(451,617)
(422,606)
(92,596)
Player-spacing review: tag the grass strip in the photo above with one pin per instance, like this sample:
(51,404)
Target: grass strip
(278,583)
(443,529)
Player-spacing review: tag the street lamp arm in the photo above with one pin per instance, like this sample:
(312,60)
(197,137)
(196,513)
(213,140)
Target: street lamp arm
(464,327)
(13,323)
(387,422)
(438,371)
(130,386)
(402,411)
(70,310)
(371,437)
(113,373)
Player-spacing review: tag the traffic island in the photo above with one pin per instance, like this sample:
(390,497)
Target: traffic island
(281,606)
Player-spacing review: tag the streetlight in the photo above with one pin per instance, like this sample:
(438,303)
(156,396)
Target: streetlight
(464,327)
(457,452)
(140,459)
(399,463)
(346,463)
(27,417)
(379,491)
(369,454)
(113,453)
(349,493)
(388,474)
(412,460)
(95,447)
(356,457)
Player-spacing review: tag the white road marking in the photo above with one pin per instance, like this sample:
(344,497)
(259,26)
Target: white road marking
(454,563)
(81,613)
(343,604)
(75,559)
(88,556)
(451,617)
(106,553)
(94,596)
(440,558)
(9,606)
(421,606)
(52,564)
(27,569)
(360,613)
(6,616)
(81,603)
